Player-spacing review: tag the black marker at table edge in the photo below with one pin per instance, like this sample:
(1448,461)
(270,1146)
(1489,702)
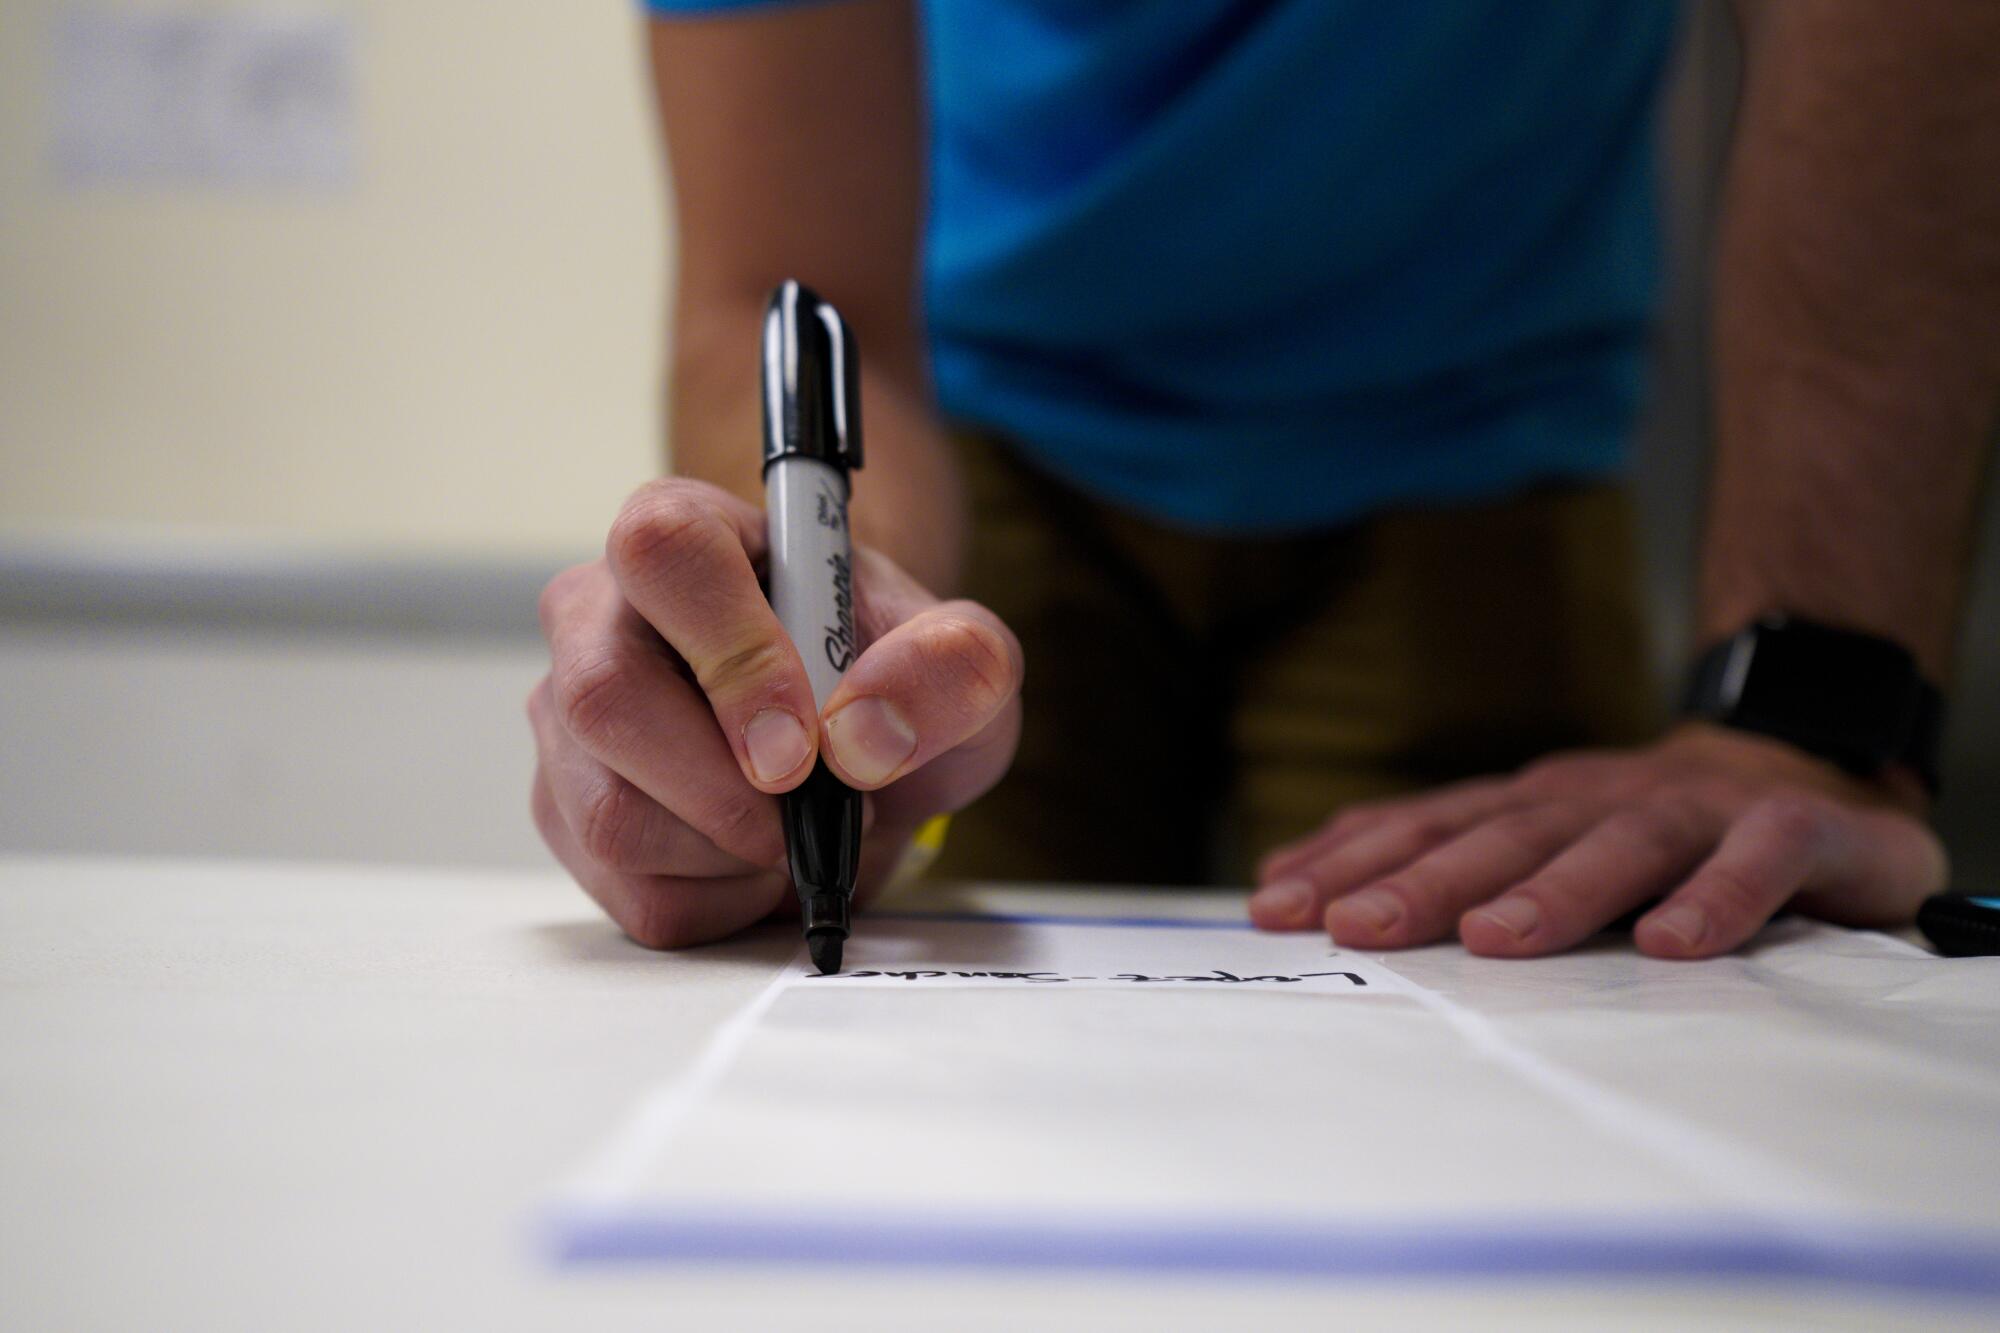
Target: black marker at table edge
(812,442)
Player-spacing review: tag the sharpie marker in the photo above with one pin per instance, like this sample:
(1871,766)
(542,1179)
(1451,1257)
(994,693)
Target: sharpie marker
(812,441)
(1961,926)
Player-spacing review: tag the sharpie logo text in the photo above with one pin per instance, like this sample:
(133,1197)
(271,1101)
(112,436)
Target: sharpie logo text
(840,636)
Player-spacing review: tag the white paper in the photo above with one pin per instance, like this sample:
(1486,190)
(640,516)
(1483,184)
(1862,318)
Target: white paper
(1008,1091)
(1010,1065)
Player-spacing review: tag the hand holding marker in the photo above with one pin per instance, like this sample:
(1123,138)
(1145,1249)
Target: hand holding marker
(692,747)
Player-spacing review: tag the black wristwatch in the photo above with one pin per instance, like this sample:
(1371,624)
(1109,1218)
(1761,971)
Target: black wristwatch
(1853,698)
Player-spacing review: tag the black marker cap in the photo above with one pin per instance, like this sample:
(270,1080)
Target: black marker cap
(812,380)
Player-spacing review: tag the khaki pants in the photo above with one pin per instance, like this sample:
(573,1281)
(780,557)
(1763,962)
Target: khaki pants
(1193,701)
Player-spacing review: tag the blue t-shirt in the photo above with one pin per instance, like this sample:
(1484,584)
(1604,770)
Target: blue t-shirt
(1268,266)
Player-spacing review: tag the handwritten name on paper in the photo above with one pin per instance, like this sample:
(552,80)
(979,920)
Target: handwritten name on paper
(1045,978)
(925,954)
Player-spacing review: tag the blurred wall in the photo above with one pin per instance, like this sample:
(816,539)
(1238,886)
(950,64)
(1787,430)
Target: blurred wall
(451,340)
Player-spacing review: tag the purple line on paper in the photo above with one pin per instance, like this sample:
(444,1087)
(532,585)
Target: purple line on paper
(1933,1261)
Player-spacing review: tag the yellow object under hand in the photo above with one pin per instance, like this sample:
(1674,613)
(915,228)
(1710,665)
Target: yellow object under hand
(923,849)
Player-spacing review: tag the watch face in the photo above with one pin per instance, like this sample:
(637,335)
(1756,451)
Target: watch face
(1846,695)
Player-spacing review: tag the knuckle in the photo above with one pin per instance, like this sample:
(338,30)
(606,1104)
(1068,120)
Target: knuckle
(1675,811)
(1798,819)
(970,657)
(1427,828)
(590,694)
(740,670)
(740,821)
(660,530)
(611,824)
(1531,828)
(1664,826)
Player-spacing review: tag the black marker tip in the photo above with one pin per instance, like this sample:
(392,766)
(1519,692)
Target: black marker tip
(825,947)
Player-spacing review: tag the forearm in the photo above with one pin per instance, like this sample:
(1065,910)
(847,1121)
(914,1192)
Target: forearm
(908,499)
(796,138)
(1857,319)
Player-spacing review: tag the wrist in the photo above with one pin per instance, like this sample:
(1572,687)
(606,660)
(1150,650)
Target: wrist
(1768,759)
(1854,700)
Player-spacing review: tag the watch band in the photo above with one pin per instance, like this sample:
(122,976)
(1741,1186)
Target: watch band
(1855,699)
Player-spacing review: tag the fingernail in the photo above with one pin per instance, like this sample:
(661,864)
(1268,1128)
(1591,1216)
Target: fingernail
(1375,909)
(1685,922)
(870,739)
(776,742)
(1287,900)
(1517,916)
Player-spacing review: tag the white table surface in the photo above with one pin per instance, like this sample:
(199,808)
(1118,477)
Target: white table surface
(249,1095)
